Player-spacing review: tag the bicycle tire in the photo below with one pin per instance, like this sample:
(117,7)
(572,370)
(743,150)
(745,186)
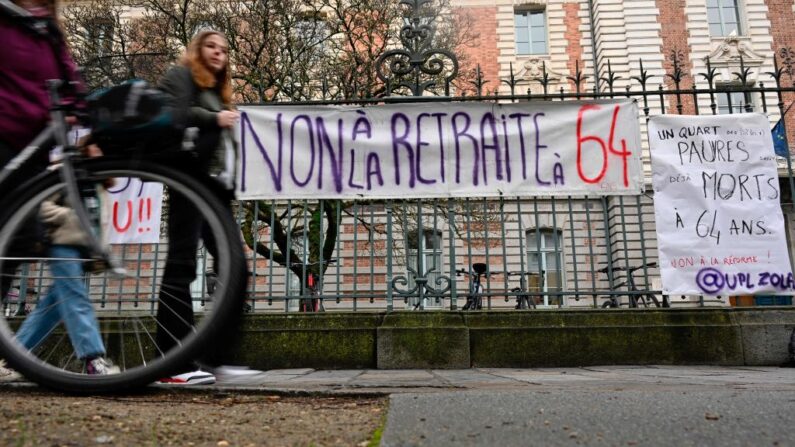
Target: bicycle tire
(133,319)
(654,300)
(609,304)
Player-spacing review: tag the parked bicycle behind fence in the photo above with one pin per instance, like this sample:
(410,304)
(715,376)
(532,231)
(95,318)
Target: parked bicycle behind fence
(525,299)
(476,275)
(312,293)
(635,296)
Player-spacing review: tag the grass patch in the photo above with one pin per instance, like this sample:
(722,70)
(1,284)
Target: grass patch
(375,440)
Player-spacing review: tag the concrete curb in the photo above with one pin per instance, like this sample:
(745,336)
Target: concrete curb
(519,339)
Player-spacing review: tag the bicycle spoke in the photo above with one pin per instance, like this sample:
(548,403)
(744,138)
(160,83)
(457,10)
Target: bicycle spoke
(116,300)
(54,349)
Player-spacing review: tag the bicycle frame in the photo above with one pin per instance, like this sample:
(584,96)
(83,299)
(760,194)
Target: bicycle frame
(55,134)
(634,298)
(312,301)
(524,300)
(475,295)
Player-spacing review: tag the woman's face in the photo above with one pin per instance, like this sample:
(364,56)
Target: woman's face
(214,52)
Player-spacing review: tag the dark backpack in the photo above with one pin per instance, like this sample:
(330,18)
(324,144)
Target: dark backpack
(132,115)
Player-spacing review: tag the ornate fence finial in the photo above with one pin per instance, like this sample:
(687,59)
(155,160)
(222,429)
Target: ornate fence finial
(611,77)
(544,79)
(677,59)
(578,78)
(788,59)
(417,66)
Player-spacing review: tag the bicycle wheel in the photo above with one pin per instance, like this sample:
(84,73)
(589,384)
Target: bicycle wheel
(610,304)
(46,345)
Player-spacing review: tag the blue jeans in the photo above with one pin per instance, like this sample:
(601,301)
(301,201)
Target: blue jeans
(66,300)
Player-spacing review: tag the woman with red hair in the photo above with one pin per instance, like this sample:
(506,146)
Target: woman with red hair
(202,92)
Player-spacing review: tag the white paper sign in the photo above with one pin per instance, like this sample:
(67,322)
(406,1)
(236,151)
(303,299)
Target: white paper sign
(717,204)
(538,148)
(133,212)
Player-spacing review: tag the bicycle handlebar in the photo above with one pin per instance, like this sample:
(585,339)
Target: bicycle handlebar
(311,264)
(459,272)
(631,269)
(521,272)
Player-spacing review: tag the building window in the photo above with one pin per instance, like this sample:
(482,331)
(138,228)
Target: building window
(723,17)
(311,30)
(425,255)
(531,31)
(734,102)
(545,258)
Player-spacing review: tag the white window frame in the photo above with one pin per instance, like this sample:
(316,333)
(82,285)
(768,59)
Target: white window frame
(540,248)
(739,99)
(432,257)
(528,30)
(720,11)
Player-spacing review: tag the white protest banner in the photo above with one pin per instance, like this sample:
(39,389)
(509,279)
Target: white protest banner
(133,209)
(717,205)
(440,150)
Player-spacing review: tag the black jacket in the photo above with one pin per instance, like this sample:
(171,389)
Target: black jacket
(198,108)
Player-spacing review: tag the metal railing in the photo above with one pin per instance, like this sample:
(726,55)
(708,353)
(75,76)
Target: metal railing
(571,251)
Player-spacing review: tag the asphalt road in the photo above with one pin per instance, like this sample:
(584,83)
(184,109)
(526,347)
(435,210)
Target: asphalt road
(628,407)
(584,417)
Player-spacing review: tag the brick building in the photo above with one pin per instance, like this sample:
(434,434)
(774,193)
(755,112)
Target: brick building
(563,35)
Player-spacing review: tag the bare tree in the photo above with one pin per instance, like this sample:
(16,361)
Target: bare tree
(108,45)
(281,50)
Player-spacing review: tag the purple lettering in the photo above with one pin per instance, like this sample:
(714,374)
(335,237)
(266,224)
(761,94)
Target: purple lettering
(402,140)
(420,144)
(438,117)
(362,126)
(457,134)
(488,120)
(276,171)
(308,121)
(373,168)
(518,117)
(353,168)
(324,141)
(539,146)
(507,149)
(123,188)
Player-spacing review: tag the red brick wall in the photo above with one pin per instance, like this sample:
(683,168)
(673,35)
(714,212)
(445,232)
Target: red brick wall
(573,38)
(782,24)
(674,33)
(485,51)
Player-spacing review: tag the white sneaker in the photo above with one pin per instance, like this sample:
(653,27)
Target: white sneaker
(198,377)
(236,371)
(101,367)
(7,374)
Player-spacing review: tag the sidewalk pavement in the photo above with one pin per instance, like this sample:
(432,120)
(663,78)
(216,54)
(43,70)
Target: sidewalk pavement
(382,382)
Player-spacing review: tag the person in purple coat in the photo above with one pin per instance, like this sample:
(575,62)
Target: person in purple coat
(29,56)
(32,51)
